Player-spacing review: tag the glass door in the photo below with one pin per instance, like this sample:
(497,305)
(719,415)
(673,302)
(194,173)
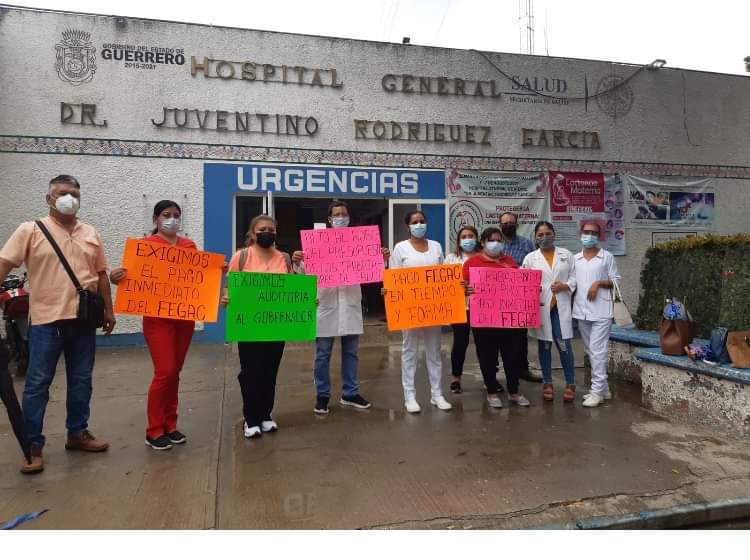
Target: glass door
(246,207)
(435,214)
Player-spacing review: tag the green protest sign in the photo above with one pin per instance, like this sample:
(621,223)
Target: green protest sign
(268,307)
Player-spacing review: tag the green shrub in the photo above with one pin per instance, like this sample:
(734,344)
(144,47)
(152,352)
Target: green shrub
(710,273)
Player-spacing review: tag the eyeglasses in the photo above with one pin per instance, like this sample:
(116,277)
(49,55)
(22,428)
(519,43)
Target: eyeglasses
(590,232)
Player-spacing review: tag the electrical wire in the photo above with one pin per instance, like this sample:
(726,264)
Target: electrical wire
(585,97)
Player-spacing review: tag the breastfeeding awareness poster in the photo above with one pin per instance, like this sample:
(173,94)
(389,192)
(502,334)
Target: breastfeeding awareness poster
(670,202)
(479,198)
(575,197)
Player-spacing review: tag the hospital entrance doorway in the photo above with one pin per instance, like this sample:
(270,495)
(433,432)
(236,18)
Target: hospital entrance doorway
(294,214)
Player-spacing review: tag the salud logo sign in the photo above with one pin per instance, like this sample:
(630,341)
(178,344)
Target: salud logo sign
(75,57)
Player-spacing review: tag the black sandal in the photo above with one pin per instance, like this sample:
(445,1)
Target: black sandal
(456,387)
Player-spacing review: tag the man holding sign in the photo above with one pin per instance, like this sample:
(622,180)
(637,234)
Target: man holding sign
(342,257)
(172,285)
(499,324)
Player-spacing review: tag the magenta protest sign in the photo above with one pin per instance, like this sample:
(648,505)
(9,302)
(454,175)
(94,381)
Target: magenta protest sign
(505,297)
(343,256)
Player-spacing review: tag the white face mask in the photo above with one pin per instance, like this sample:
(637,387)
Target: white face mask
(418,230)
(67,204)
(171,225)
(494,248)
(340,221)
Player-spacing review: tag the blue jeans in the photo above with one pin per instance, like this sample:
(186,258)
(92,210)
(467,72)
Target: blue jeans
(563,346)
(46,343)
(349,363)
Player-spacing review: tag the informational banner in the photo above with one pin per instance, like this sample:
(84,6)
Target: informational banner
(169,282)
(614,213)
(343,256)
(674,202)
(575,197)
(505,297)
(479,198)
(424,296)
(270,307)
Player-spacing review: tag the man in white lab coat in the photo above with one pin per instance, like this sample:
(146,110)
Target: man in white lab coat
(339,315)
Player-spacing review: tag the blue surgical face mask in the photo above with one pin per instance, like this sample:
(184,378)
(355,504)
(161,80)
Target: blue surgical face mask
(494,248)
(340,221)
(468,244)
(588,240)
(418,230)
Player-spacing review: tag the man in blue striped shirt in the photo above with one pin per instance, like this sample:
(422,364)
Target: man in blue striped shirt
(518,247)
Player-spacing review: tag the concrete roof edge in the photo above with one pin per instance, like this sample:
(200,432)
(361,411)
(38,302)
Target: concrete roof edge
(370,41)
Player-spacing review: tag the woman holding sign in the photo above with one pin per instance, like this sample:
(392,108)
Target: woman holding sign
(558,284)
(419,251)
(259,361)
(466,247)
(168,341)
(491,340)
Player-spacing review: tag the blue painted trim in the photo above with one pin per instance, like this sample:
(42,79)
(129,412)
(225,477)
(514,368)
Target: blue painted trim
(636,337)
(727,373)
(325,181)
(136,339)
(220,186)
(675,517)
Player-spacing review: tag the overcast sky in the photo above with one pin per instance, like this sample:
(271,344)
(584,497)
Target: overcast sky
(708,36)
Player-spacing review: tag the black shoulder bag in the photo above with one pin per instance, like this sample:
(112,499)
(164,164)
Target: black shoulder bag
(90,304)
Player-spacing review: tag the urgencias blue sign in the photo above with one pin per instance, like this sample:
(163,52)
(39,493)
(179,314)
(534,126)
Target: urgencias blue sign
(313,180)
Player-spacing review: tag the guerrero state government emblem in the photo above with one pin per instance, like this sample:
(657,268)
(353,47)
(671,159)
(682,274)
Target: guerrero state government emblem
(75,57)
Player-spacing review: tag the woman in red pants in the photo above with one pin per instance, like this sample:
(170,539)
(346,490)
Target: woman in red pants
(168,341)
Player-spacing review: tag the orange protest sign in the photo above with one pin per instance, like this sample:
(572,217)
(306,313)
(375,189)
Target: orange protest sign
(424,296)
(169,282)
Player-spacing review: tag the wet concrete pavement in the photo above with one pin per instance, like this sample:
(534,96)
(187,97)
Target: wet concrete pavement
(473,467)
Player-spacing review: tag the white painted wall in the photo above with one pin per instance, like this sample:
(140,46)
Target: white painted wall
(680,117)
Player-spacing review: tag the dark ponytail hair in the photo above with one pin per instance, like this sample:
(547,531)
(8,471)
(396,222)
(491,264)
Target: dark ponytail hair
(163,205)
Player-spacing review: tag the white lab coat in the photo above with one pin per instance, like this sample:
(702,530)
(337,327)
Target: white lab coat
(563,270)
(600,267)
(339,309)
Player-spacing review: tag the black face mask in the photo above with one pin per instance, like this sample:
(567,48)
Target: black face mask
(265,239)
(509,230)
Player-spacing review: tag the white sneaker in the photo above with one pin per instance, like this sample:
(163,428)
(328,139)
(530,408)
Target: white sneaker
(252,431)
(269,426)
(607,396)
(494,401)
(412,406)
(441,403)
(592,400)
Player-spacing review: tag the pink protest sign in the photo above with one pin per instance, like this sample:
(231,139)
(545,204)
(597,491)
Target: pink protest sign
(343,256)
(505,297)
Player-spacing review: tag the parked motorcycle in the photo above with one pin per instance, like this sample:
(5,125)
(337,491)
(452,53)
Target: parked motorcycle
(14,301)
